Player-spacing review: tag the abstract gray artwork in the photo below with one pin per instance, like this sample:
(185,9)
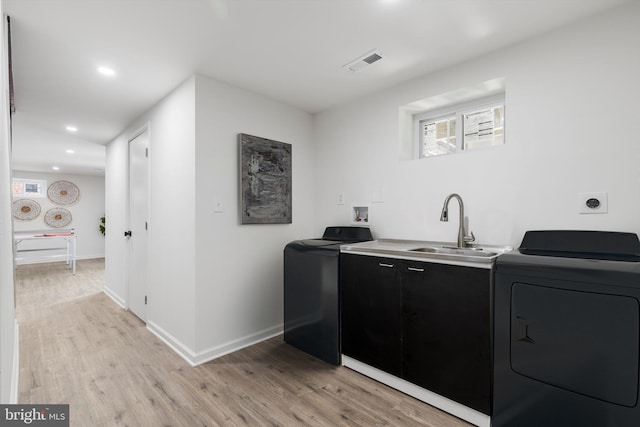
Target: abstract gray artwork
(265,176)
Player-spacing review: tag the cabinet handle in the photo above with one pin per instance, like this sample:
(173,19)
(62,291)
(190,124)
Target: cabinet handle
(415,269)
(385,265)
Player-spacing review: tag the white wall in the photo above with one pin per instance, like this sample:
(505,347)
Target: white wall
(214,285)
(239,268)
(8,326)
(115,271)
(172,222)
(571,109)
(86,213)
(171,274)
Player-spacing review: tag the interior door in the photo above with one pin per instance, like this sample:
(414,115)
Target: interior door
(138,223)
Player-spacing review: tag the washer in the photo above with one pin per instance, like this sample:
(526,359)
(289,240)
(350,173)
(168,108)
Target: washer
(567,331)
(311,291)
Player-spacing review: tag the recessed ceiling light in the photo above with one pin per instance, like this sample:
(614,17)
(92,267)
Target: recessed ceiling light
(72,129)
(55,168)
(106,71)
(70,151)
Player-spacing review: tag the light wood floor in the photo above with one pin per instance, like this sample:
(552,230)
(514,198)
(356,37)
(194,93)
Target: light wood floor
(78,347)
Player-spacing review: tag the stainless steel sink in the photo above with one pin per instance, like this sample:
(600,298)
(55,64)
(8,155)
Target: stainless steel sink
(430,250)
(472,252)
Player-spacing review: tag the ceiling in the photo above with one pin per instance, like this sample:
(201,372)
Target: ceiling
(289,50)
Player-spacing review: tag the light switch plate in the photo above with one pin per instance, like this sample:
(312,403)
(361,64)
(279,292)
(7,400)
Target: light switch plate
(217,206)
(593,203)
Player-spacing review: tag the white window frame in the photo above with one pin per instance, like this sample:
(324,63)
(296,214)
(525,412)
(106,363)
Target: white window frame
(448,148)
(42,183)
(459,111)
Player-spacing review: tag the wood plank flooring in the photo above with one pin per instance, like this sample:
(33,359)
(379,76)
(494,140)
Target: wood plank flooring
(78,347)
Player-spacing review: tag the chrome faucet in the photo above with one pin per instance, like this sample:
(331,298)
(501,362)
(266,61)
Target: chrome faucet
(463,239)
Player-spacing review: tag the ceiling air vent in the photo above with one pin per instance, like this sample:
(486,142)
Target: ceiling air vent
(364,61)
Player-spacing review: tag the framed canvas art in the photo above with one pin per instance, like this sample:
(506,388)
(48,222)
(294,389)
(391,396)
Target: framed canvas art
(265,180)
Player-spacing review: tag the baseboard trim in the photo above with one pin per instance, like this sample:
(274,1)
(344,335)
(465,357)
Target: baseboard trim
(195,359)
(108,292)
(52,258)
(183,351)
(82,257)
(238,344)
(15,374)
(470,415)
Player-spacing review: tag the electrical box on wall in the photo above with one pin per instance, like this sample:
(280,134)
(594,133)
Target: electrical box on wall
(593,203)
(360,214)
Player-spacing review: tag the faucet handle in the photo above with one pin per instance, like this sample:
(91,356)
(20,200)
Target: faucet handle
(469,239)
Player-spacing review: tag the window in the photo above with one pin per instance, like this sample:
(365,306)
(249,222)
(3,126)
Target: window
(463,119)
(438,136)
(484,127)
(479,123)
(29,187)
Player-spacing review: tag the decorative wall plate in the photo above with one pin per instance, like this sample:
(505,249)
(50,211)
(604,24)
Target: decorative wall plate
(57,217)
(26,209)
(63,193)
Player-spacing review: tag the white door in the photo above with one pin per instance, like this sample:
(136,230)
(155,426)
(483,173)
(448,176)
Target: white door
(138,223)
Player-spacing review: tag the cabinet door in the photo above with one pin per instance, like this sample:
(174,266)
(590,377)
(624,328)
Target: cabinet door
(446,332)
(371,311)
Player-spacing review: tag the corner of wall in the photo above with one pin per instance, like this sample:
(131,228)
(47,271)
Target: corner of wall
(15,376)
(8,324)
(235,345)
(115,297)
(175,344)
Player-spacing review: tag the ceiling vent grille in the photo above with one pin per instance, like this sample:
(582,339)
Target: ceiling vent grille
(364,61)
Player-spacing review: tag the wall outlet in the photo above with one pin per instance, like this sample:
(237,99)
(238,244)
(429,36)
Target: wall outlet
(593,203)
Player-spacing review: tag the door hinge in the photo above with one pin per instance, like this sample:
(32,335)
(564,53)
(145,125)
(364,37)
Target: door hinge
(145,299)
(146,152)
(146,226)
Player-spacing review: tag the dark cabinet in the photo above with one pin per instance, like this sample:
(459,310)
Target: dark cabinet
(446,332)
(427,323)
(372,315)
